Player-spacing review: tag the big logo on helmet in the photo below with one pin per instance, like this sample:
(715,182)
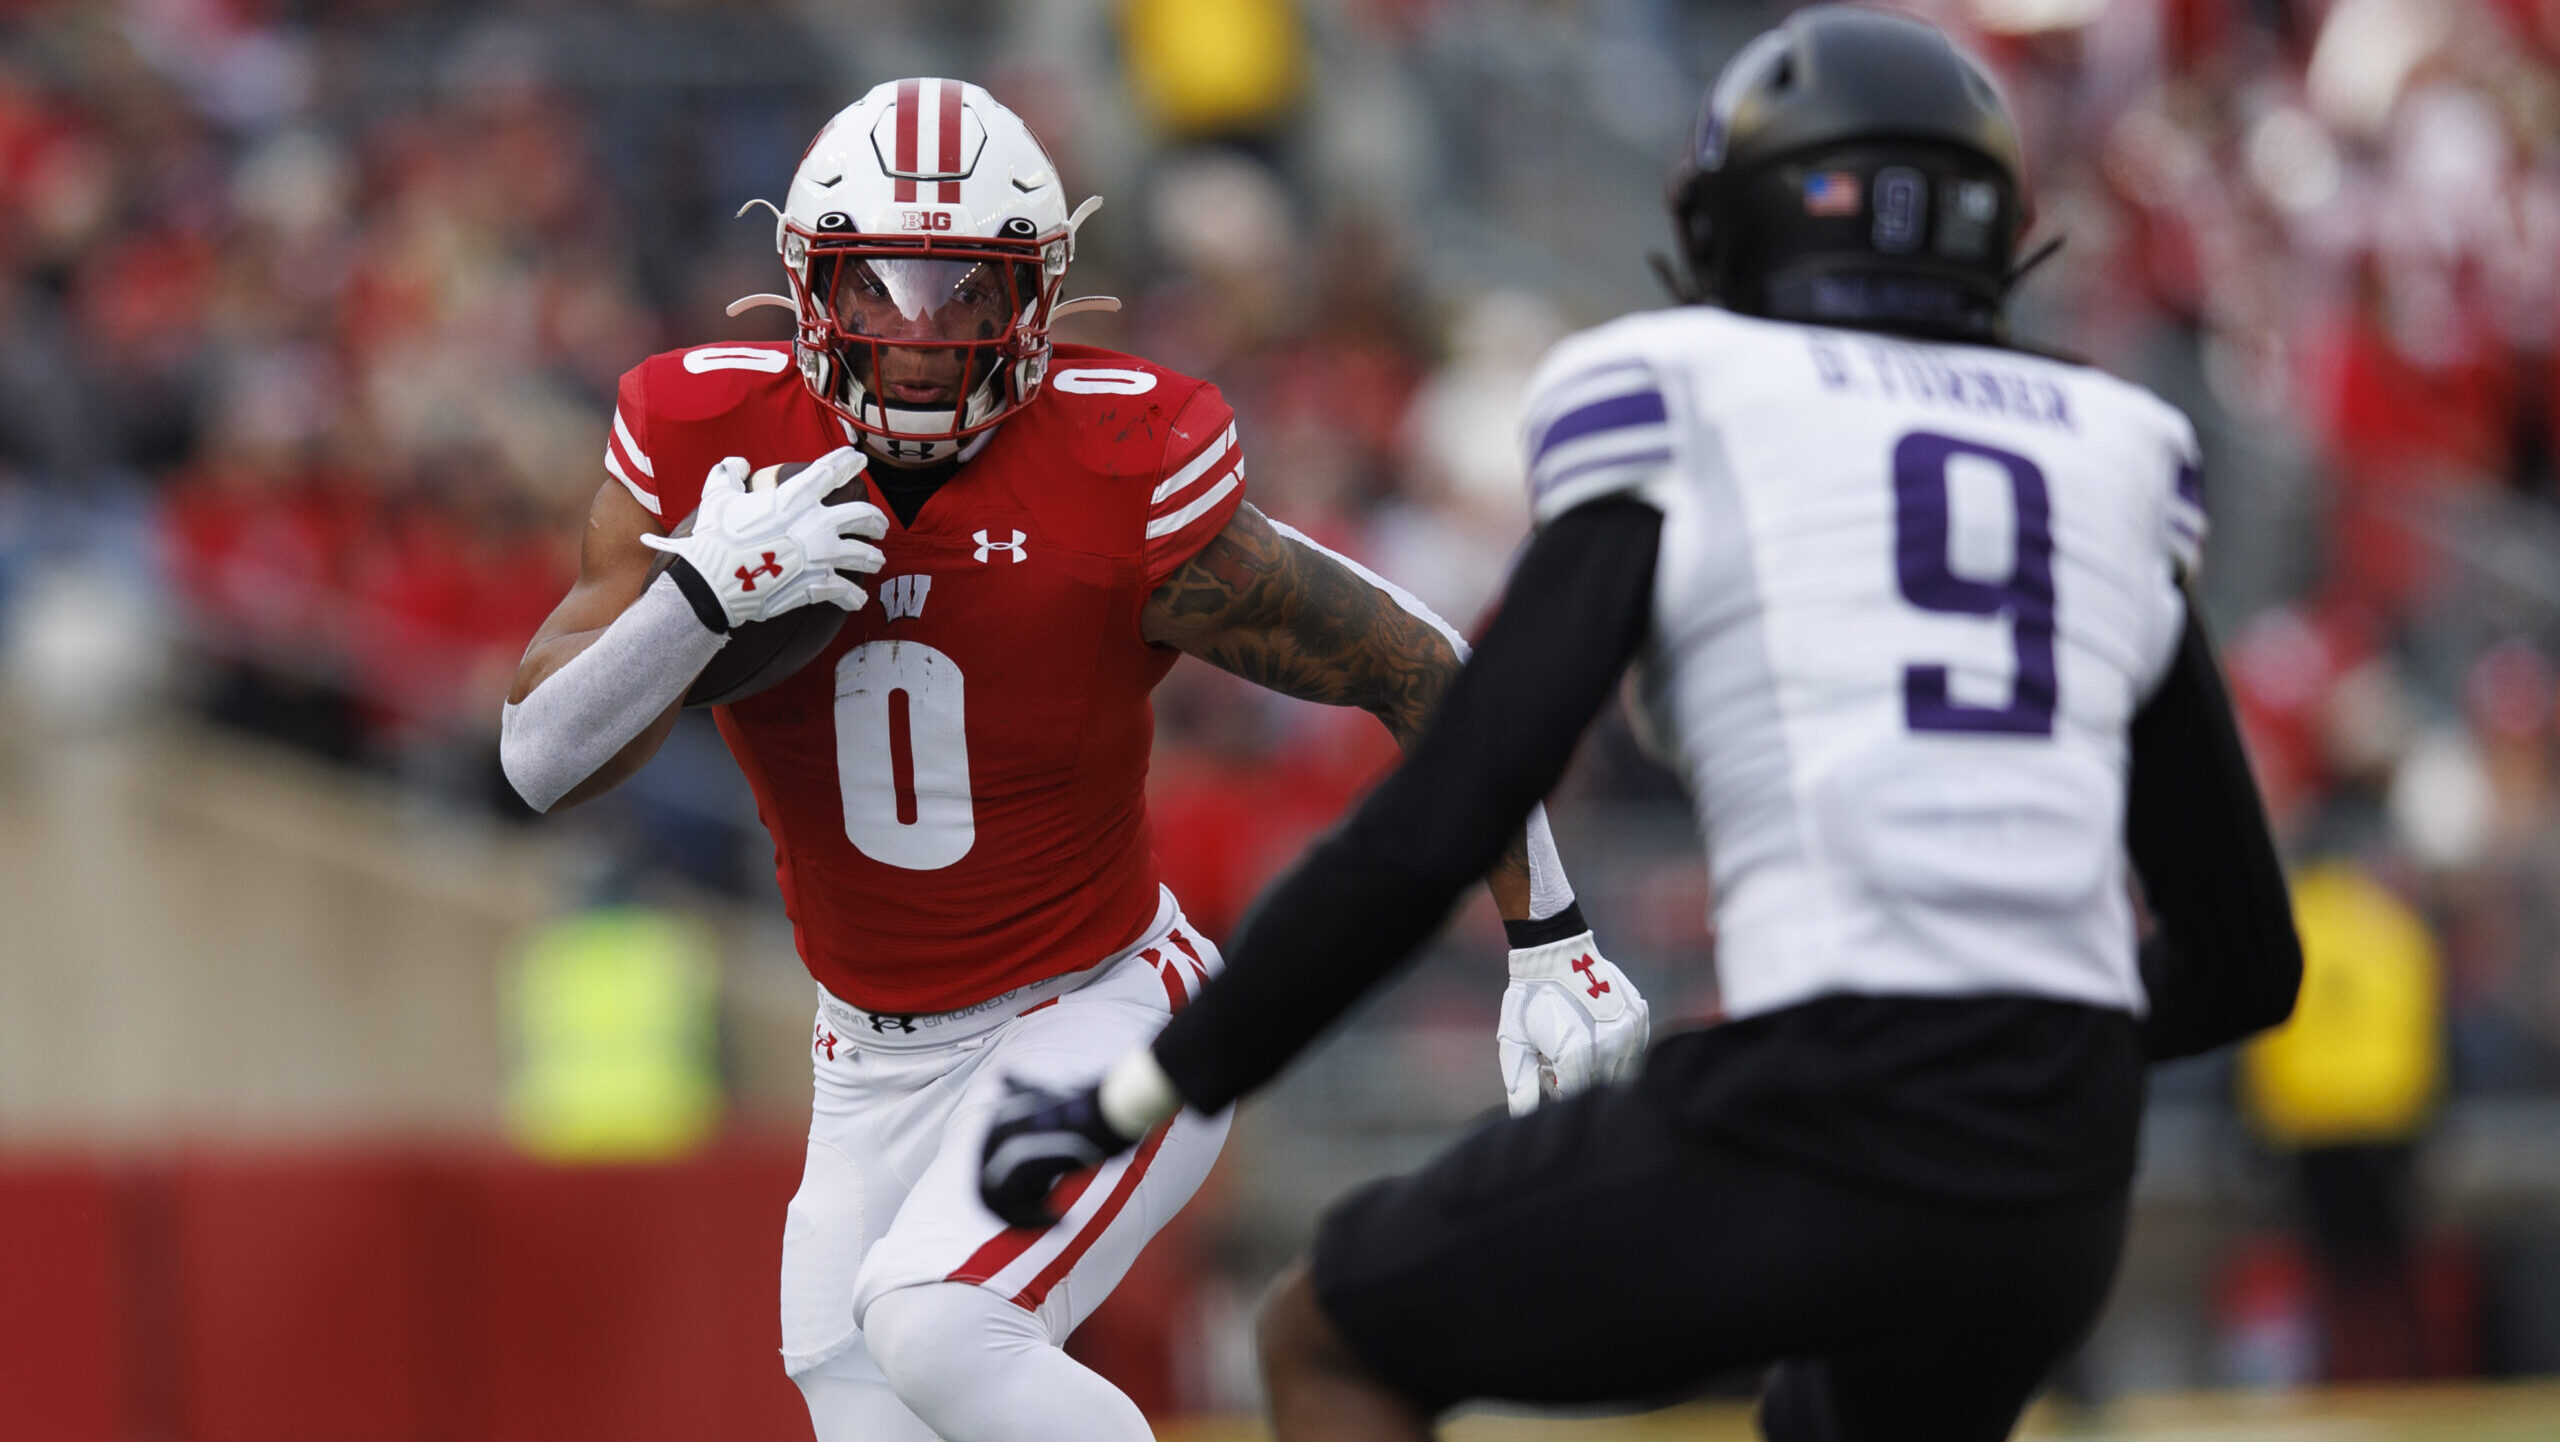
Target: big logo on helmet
(924,220)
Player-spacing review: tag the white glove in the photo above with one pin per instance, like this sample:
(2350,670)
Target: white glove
(1570,1019)
(761,553)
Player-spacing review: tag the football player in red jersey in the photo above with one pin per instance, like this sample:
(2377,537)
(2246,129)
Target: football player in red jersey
(956,785)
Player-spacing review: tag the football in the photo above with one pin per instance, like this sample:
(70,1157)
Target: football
(763,654)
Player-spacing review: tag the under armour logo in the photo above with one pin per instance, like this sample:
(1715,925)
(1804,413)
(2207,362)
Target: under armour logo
(825,1041)
(904,595)
(747,577)
(1585,965)
(882,1023)
(987,547)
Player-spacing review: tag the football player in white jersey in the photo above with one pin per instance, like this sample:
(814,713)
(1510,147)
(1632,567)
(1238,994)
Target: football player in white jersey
(1905,602)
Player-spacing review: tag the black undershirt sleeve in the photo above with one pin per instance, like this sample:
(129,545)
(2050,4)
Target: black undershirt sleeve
(2224,961)
(1378,887)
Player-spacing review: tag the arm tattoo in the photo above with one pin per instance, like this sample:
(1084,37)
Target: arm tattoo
(1299,622)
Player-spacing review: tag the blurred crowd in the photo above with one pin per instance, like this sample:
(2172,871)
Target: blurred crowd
(327,303)
(2333,232)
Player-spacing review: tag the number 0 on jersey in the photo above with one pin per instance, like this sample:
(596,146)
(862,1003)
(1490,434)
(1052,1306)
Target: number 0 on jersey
(902,755)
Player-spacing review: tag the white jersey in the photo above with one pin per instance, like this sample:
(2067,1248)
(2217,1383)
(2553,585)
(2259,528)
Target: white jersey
(1908,600)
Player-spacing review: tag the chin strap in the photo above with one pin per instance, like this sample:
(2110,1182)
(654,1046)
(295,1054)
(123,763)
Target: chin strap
(2036,257)
(1683,289)
(1107,304)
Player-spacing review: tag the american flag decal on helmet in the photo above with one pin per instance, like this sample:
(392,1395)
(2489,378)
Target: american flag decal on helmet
(929,135)
(1831,193)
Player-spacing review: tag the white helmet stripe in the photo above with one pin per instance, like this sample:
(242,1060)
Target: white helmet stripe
(928,134)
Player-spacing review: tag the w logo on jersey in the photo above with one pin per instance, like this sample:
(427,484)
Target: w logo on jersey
(903,596)
(987,548)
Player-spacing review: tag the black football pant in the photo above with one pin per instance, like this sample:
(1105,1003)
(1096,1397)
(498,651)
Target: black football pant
(1590,1253)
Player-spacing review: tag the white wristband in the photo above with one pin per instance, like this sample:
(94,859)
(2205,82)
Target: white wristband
(1136,1096)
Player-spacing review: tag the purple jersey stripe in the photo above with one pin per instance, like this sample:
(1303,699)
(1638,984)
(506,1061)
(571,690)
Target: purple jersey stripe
(2190,487)
(1635,409)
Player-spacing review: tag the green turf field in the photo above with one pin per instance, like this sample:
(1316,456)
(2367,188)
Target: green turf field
(2503,1413)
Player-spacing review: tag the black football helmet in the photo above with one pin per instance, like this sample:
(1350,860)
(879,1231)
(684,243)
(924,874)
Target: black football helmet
(1853,167)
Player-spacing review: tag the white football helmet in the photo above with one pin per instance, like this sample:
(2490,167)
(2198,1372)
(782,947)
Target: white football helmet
(927,236)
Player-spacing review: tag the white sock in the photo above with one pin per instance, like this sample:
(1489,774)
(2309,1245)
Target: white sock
(849,1401)
(977,1368)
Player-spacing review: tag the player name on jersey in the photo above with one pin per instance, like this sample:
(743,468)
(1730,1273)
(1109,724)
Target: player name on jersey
(1966,380)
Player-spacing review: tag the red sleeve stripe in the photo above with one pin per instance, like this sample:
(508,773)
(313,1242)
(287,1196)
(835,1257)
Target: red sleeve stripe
(614,464)
(1166,525)
(1196,466)
(631,447)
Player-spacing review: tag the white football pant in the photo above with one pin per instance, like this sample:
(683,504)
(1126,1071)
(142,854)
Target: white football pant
(908,1310)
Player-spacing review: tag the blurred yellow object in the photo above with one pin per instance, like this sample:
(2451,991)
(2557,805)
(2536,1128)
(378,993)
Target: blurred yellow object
(615,1014)
(2363,1056)
(1210,67)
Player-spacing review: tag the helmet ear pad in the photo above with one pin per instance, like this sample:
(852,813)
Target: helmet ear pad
(1693,225)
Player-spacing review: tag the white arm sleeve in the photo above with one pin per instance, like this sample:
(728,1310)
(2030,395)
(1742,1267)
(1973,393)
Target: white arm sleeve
(576,718)
(1549,891)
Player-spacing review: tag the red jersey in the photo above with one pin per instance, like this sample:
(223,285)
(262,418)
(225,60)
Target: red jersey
(956,786)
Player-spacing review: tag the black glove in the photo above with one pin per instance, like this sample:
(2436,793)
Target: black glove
(1040,1138)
